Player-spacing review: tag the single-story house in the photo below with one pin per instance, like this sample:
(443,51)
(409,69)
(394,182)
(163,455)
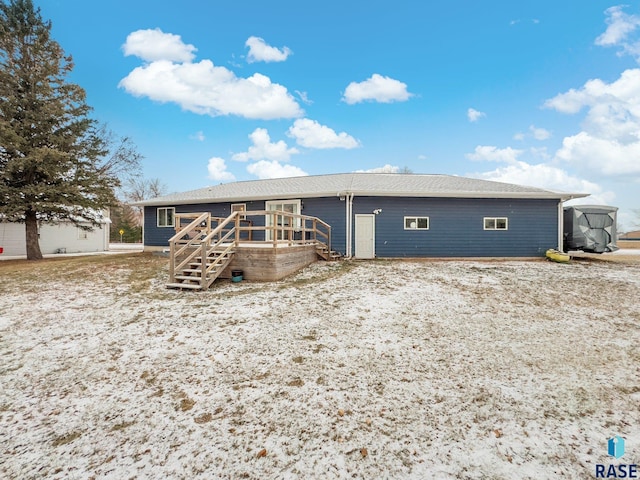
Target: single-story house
(388,215)
(64,237)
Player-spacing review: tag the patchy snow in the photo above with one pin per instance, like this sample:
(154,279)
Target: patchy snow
(382,369)
(627,251)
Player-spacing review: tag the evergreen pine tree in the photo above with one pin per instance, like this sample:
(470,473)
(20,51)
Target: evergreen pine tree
(56,163)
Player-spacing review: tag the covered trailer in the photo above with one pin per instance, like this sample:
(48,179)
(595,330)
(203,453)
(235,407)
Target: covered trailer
(590,228)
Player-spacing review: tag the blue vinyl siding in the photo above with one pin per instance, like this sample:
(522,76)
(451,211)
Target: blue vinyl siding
(155,236)
(456,227)
(330,210)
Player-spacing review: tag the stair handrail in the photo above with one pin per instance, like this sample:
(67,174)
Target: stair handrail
(173,241)
(220,227)
(190,227)
(219,259)
(206,245)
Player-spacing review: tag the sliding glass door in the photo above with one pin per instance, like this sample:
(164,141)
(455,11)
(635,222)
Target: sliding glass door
(281,222)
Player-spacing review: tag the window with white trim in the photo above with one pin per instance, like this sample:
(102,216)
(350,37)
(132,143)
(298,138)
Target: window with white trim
(166,216)
(239,207)
(416,223)
(496,223)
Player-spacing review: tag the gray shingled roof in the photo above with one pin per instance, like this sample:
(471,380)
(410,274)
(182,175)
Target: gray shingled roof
(360,184)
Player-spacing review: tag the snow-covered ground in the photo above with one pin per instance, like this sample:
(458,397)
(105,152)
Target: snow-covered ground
(381,369)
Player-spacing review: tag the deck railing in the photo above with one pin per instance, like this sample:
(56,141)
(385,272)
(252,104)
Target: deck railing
(283,228)
(206,234)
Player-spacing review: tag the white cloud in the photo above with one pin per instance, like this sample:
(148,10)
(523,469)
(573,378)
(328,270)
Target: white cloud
(202,87)
(422,157)
(384,169)
(494,154)
(547,177)
(539,133)
(621,26)
(534,132)
(259,51)
(310,134)
(601,155)
(154,45)
(609,143)
(614,108)
(540,152)
(274,169)
(199,136)
(378,89)
(474,115)
(304,97)
(218,170)
(264,149)
(624,93)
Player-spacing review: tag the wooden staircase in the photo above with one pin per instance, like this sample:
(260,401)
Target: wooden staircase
(326,254)
(198,254)
(200,251)
(199,276)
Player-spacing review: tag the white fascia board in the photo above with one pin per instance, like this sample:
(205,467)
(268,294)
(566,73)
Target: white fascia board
(514,195)
(246,198)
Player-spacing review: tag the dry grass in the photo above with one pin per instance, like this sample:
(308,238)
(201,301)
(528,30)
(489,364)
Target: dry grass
(381,369)
(134,270)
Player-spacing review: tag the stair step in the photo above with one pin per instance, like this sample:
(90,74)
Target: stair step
(197,269)
(187,278)
(188,286)
(198,264)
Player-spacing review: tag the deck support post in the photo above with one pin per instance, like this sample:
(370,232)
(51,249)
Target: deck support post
(172,263)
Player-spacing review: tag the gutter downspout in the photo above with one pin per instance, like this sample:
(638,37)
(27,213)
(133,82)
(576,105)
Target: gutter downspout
(346,225)
(142,232)
(349,224)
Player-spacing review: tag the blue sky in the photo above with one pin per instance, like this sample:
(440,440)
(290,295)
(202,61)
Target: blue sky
(537,93)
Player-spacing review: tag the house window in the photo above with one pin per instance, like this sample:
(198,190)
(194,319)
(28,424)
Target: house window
(166,216)
(495,223)
(82,234)
(239,207)
(416,223)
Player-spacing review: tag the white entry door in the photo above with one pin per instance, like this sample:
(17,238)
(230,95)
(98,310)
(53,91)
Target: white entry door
(365,236)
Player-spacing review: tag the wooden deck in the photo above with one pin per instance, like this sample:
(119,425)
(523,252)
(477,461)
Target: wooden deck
(270,264)
(208,248)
